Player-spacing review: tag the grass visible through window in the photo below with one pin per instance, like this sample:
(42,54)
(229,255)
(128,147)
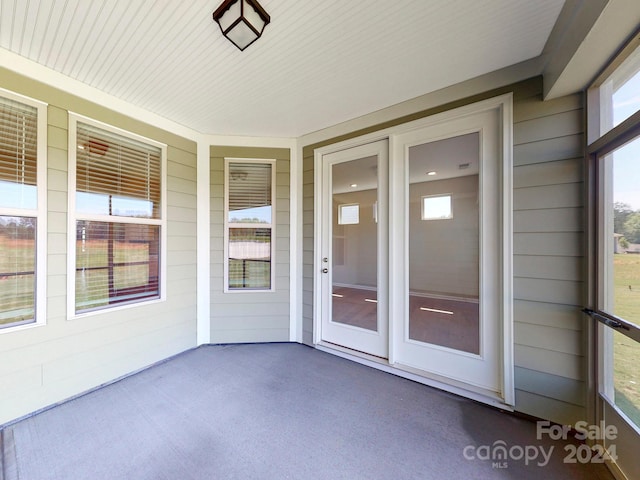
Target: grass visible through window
(626,352)
(17,270)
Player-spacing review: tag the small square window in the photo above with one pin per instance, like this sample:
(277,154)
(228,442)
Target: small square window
(437,207)
(349,214)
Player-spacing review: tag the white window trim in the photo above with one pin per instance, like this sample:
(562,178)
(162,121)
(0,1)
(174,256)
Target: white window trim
(272,225)
(72,216)
(602,140)
(422,209)
(601,130)
(40,213)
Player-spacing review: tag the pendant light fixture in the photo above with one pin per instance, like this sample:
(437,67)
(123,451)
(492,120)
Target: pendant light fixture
(241,21)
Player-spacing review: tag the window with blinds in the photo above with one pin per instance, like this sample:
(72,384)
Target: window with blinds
(18,212)
(250,220)
(116,175)
(118,218)
(18,155)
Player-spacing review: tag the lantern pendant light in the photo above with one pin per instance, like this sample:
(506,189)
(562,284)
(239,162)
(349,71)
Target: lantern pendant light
(241,21)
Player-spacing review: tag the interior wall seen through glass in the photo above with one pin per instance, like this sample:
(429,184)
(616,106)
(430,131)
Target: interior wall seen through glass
(444,216)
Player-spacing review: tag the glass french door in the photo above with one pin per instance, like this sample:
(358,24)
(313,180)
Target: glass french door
(354,246)
(413,246)
(447,252)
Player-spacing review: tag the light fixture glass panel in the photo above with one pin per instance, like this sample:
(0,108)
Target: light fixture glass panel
(242,35)
(253,17)
(230,16)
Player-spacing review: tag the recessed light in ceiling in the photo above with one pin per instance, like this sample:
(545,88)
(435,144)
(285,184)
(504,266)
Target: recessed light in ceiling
(431,173)
(354,185)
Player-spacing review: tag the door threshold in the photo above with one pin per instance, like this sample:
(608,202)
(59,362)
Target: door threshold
(420,376)
(335,348)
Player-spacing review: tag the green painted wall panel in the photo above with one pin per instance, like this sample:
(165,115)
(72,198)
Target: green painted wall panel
(76,355)
(240,317)
(548,244)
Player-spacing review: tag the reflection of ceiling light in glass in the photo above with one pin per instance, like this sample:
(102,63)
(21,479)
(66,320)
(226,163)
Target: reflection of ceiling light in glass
(354,185)
(431,173)
(446,312)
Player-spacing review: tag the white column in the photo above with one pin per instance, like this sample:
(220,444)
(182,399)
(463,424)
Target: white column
(203,219)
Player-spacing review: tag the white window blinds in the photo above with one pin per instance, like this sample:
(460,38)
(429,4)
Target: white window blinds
(116,175)
(18,154)
(249,189)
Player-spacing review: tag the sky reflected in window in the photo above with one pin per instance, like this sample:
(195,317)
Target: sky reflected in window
(18,195)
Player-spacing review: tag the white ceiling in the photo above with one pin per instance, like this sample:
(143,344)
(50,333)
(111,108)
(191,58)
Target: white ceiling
(318,63)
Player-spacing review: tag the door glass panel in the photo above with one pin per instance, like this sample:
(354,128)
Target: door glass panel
(444,243)
(622,284)
(355,243)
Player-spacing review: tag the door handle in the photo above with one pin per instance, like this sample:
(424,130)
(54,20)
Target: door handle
(325,270)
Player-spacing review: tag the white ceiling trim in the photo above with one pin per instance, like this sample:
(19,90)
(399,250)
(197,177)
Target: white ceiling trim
(490,81)
(31,69)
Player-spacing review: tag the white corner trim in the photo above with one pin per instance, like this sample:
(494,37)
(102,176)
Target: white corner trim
(317,246)
(295,244)
(508,356)
(203,237)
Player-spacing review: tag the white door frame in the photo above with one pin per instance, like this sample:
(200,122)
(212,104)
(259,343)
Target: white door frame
(503,104)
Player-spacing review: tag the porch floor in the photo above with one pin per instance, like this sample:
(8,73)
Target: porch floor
(275,411)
